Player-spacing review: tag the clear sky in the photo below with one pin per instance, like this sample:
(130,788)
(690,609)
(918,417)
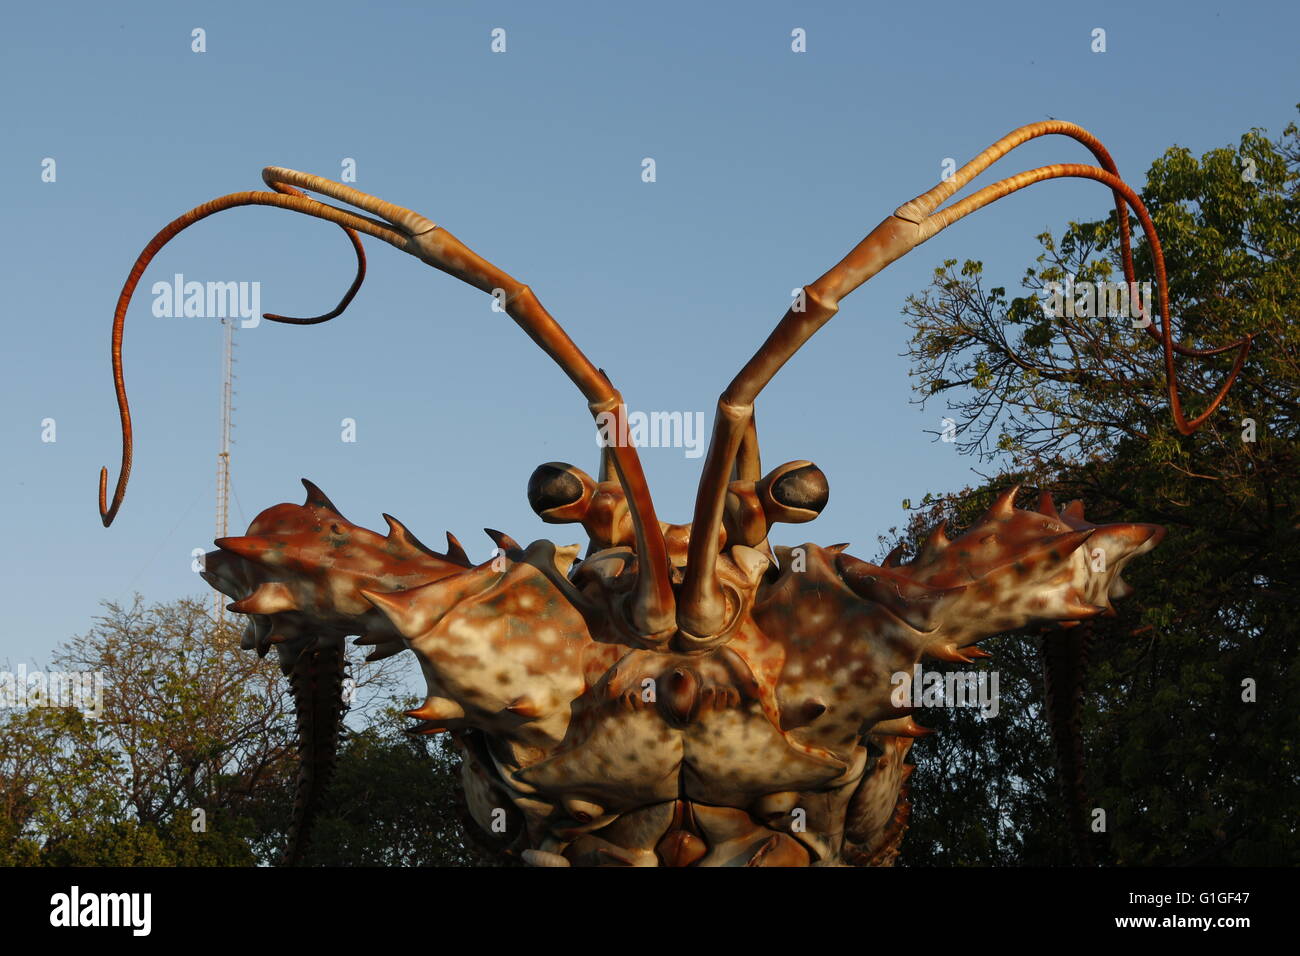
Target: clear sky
(770,165)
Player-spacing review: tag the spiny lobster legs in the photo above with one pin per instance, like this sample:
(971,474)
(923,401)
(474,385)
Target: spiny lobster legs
(306,614)
(315,670)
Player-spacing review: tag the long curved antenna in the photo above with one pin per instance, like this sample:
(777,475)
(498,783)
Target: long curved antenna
(652,612)
(702,608)
(348,296)
(1162,329)
(923,205)
(287,199)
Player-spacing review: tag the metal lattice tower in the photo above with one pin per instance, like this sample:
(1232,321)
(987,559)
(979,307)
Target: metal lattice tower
(223,456)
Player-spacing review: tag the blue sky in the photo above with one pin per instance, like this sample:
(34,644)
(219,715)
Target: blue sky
(770,166)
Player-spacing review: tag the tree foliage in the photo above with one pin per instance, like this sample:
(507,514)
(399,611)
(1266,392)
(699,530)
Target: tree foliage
(191,760)
(395,801)
(1186,769)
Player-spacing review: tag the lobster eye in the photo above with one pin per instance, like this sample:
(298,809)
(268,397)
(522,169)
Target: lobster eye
(794,492)
(559,492)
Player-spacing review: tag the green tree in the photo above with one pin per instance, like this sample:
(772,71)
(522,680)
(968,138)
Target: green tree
(1185,768)
(189,762)
(395,801)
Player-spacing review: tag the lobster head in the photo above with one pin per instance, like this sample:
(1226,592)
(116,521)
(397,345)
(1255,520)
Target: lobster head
(679,693)
(584,728)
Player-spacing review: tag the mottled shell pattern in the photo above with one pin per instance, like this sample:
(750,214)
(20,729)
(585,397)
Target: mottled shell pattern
(777,745)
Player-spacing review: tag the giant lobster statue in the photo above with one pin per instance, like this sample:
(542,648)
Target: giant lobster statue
(676,694)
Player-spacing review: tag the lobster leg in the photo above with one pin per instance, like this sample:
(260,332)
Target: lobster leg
(315,669)
(1065,661)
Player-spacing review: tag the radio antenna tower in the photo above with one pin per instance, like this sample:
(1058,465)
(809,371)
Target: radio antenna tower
(223,456)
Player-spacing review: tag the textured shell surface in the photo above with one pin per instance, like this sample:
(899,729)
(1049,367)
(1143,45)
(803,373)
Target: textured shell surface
(778,744)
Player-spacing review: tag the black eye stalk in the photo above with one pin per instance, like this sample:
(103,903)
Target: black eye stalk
(561,493)
(795,492)
(788,494)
